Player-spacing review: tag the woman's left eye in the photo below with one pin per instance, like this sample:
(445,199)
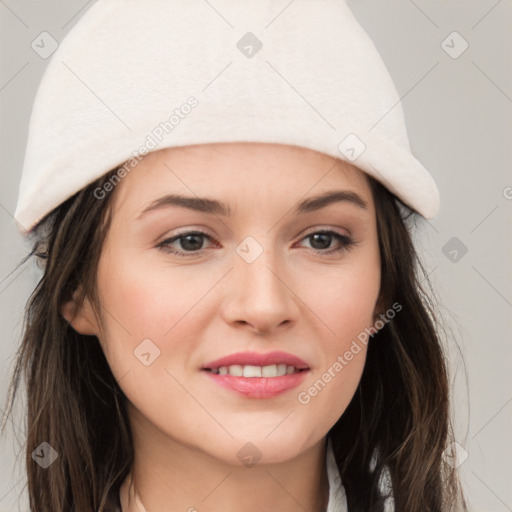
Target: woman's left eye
(323,239)
(192,242)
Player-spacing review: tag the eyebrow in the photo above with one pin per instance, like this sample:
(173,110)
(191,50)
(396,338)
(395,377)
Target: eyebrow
(335,196)
(212,206)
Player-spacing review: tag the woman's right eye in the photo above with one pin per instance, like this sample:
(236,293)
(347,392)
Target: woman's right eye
(191,243)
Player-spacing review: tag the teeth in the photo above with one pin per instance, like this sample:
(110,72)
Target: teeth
(235,370)
(273,370)
(252,371)
(282,369)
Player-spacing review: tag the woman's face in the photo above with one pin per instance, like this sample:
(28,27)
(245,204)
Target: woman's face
(252,278)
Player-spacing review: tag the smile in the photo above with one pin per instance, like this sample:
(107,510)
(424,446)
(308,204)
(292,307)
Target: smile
(251,371)
(257,375)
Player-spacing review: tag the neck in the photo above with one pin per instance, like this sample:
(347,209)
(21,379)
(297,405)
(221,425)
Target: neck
(168,476)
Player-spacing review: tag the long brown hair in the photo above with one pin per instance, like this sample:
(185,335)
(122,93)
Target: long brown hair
(398,420)
(401,411)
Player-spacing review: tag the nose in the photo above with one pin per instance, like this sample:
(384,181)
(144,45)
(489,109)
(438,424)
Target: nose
(259,295)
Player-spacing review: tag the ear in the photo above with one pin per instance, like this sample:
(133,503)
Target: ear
(80,315)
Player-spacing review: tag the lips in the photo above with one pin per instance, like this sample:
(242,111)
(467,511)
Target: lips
(257,375)
(256,359)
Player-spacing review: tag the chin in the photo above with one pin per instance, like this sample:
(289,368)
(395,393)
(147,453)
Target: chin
(256,446)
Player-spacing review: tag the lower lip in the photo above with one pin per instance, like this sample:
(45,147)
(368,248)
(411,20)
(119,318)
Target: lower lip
(259,387)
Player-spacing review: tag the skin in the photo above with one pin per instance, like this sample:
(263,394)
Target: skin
(187,430)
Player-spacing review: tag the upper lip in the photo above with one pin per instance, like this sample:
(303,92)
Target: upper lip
(257,359)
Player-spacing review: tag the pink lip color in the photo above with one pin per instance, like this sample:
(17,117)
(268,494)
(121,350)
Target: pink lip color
(258,387)
(255,359)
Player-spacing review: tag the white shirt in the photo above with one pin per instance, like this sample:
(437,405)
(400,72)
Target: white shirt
(337,497)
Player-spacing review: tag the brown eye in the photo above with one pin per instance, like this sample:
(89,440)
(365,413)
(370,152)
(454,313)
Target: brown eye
(191,242)
(321,241)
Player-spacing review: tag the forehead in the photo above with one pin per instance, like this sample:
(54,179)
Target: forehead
(238,170)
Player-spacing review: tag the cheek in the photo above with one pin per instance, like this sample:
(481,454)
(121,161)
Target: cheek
(347,309)
(345,303)
(147,300)
(144,302)
(148,324)
(345,299)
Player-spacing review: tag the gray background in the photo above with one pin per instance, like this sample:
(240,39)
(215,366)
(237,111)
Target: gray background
(458,112)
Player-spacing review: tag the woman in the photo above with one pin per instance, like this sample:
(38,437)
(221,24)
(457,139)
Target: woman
(230,313)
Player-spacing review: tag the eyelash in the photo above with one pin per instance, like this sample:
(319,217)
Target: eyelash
(346,243)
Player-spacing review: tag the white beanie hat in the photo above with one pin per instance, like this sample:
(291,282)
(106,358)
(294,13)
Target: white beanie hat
(140,75)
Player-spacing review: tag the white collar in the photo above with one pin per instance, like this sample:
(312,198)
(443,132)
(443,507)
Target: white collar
(337,497)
